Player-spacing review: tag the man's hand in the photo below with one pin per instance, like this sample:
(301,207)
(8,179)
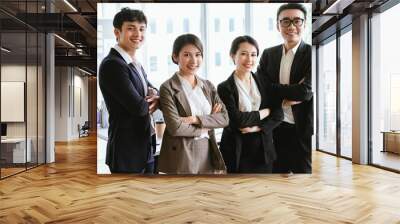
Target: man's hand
(151,91)
(153,101)
(287,103)
(250,129)
(216,109)
(190,120)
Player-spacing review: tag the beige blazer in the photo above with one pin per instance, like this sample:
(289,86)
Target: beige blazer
(176,154)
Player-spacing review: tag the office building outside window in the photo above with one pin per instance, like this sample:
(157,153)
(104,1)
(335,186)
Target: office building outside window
(153,63)
(217,25)
(270,24)
(217,59)
(186,25)
(170,26)
(153,27)
(231,24)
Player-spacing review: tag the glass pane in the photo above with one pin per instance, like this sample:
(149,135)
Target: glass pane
(346,94)
(385,90)
(13,86)
(327,97)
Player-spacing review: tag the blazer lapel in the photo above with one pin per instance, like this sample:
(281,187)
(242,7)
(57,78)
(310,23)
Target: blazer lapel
(260,87)
(232,84)
(298,57)
(206,91)
(180,95)
(276,60)
(136,77)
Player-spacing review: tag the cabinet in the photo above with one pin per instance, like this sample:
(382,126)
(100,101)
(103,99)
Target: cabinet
(391,141)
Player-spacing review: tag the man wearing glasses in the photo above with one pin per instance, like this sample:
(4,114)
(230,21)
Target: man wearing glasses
(287,67)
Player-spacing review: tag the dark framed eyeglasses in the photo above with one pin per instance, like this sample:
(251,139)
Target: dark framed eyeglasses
(296,22)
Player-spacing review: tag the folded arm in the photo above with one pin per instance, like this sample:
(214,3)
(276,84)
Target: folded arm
(174,122)
(114,79)
(296,92)
(237,118)
(217,119)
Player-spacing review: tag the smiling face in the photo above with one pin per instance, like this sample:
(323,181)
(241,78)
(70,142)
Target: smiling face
(189,59)
(291,34)
(245,57)
(131,36)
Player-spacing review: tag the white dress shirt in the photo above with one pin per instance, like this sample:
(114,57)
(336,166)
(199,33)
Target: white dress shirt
(284,77)
(198,102)
(249,98)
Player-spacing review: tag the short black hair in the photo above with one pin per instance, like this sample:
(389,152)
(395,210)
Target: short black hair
(242,39)
(128,15)
(291,6)
(182,41)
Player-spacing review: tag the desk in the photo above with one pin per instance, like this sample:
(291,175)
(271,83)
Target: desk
(391,141)
(13,150)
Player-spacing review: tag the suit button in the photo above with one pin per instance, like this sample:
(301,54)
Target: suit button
(174,148)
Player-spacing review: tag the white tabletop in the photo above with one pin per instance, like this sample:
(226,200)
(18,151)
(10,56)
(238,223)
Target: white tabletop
(13,140)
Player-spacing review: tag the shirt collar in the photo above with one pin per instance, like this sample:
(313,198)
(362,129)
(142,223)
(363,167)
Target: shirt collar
(184,81)
(124,54)
(294,49)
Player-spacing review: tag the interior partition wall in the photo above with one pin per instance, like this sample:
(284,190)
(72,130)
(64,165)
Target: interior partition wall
(22,76)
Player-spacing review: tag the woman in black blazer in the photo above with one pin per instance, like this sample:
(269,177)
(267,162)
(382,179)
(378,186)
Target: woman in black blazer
(254,111)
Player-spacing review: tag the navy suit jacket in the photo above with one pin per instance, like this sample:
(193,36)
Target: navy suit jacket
(129,142)
(269,69)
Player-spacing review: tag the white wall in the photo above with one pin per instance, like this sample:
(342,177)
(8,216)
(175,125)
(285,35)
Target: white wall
(71,93)
(13,73)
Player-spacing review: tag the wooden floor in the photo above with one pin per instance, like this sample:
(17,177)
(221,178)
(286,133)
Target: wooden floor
(70,191)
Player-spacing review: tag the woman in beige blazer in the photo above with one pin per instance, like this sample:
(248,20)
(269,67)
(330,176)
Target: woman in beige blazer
(191,109)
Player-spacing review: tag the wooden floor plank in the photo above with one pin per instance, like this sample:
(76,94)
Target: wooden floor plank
(70,191)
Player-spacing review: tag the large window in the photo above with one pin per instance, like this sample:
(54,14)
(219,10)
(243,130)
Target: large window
(334,137)
(385,88)
(327,96)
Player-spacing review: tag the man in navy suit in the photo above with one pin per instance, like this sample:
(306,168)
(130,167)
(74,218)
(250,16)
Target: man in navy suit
(129,97)
(288,68)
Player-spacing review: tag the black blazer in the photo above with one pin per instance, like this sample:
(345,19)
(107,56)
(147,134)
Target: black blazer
(129,142)
(231,141)
(269,68)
